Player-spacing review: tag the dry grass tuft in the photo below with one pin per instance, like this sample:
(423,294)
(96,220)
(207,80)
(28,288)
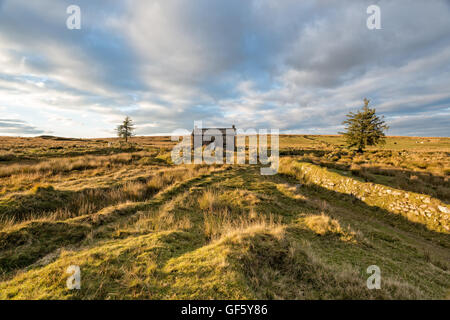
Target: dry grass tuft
(324,225)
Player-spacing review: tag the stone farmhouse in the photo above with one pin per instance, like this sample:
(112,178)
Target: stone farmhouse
(207,138)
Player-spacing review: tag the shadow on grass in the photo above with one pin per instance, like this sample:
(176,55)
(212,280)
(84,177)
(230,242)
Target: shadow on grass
(374,212)
(28,243)
(430,184)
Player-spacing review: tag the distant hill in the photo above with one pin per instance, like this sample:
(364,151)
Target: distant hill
(58,138)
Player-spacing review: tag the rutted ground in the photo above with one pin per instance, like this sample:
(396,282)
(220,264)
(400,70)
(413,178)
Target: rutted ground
(236,234)
(158,231)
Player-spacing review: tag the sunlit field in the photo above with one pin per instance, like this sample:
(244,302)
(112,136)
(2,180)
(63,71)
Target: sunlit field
(141,227)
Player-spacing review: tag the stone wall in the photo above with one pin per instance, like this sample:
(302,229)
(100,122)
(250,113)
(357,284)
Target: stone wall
(416,207)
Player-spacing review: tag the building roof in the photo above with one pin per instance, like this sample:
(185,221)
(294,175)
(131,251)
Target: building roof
(223,130)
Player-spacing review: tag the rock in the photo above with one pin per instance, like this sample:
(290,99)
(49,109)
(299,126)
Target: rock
(443,209)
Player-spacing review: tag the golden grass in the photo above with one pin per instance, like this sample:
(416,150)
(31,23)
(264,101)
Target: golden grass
(143,228)
(324,225)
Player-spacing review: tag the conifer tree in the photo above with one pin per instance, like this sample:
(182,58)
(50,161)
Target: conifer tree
(364,128)
(125,130)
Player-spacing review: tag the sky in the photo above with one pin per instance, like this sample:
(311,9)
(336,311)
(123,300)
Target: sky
(296,66)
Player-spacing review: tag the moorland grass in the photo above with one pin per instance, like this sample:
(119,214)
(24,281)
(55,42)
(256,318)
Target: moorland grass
(140,227)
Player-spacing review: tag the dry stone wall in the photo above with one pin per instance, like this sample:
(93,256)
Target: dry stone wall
(416,207)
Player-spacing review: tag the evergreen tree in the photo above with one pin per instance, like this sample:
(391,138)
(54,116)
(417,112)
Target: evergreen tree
(125,130)
(364,128)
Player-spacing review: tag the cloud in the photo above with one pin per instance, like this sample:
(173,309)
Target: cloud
(299,66)
(17,127)
(424,124)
